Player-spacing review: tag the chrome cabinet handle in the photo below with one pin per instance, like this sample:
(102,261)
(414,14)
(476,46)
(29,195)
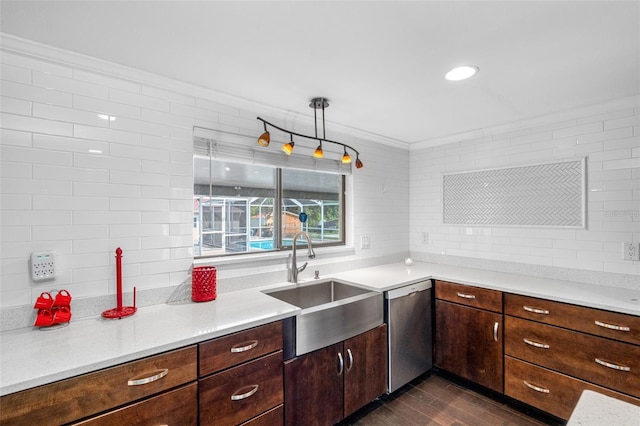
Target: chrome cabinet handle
(238,397)
(613,326)
(535,388)
(340,364)
(535,310)
(143,381)
(350,365)
(465,296)
(247,346)
(611,365)
(495,331)
(536,344)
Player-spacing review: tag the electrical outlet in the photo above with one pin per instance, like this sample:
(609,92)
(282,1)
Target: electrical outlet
(365,242)
(630,251)
(42,266)
(424,238)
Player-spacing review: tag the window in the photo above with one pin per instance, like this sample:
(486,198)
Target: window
(241,208)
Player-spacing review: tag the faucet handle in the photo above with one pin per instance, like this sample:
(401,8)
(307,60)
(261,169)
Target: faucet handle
(302,268)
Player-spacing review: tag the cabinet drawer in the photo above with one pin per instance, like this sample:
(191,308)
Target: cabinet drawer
(176,407)
(594,321)
(234,349)
(609,363)
(241,393)
(93,393)
(547,390)
(273,417)
(476,297)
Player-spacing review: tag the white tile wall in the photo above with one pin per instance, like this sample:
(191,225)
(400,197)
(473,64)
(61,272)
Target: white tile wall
(611,143)
(81,186)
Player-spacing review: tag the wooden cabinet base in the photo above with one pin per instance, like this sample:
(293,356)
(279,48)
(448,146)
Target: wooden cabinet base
(548,390)
(240,393)
(176,407)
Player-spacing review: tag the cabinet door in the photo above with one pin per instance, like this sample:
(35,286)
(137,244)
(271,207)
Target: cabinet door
(313,387)
(365,368)
(469,343)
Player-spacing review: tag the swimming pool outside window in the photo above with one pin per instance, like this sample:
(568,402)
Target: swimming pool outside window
(244,208)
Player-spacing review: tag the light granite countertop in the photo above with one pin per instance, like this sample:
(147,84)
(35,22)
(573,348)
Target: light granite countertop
(595,409)
(30,357)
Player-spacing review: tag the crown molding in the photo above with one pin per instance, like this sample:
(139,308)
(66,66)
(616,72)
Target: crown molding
(44,52)
(572,114)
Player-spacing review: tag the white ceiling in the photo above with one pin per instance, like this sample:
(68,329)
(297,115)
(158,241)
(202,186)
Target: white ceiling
(381,64)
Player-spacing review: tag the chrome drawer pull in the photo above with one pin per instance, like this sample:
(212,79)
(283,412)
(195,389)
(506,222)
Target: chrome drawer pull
(340,364)
(535,310)
(350,359)
(614,366)
(535,388)
(238,397)
(237,348)
(145,380)
(536,344)
(466,296)
(495,331)
(612,326)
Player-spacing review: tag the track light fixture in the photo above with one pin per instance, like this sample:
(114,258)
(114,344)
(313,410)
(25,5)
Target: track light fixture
(316,104)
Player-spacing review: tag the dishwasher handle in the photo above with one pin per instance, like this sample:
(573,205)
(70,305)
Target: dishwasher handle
(407,290)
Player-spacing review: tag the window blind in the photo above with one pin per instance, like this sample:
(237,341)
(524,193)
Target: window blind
(238,148)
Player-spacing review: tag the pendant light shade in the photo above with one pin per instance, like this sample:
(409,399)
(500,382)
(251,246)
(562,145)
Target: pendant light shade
(316,104)
(264,138)
(346,158)
(288,147)
(318,153)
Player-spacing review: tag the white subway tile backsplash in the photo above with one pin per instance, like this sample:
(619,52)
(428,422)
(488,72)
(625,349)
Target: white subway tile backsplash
(37,125)
(69,85)
(621,164)
(105,189)
(99,161)
(15,170)
(99,106)
(139,152)
(139,126)
(139,205)
(10,234)
(16,74)
(68,144)
(141,230)
(14,137)
(48,202)
(173,97)
(615,123)
(35,94)
(105,217)
(18,154)
(137,178)
(69,232)
(15,106)
(102,80)
(578,130)
(109,135)
(30,186)
(167,118)
(73,174)
(69,115)
(138,100)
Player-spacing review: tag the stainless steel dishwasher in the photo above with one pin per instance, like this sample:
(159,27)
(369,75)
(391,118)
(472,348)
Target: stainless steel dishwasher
(409,324)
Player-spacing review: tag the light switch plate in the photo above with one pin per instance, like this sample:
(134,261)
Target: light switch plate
(365,242)
(42,266)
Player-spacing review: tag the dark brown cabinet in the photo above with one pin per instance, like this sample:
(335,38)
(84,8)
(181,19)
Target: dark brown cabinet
(324,386)
(468,339)
(554,351)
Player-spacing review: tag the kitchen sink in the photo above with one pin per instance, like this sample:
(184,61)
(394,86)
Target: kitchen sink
(331,311)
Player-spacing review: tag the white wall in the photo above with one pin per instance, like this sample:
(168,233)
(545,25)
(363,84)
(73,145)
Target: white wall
(609,136)
(58,195)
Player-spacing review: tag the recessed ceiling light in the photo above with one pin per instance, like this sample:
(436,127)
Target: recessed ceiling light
(462,73)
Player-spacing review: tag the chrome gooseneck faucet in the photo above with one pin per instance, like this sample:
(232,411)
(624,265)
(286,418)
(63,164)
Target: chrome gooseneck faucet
(293,269)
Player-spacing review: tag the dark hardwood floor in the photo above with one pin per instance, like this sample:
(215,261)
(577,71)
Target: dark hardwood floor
(433,399)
